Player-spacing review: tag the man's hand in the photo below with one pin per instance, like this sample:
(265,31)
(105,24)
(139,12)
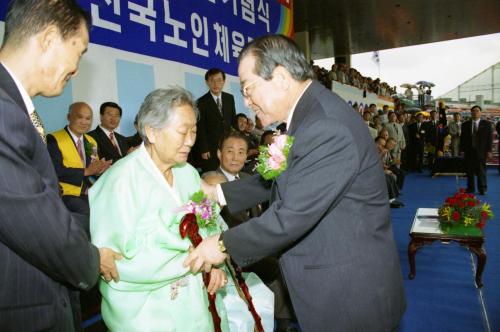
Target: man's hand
(210,190)
(218,279)
(205,255)
(98,166)
(108,265)
(205,155)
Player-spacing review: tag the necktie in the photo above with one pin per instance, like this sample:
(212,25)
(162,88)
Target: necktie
(112,139)
(38,124)
(79,147)
(474,134)
(219,104)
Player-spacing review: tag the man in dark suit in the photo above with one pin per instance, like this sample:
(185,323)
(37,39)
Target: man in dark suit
(112,145)
(416,133)
(43,247)
(329,214)
(217,113)
(476,142)
(431,138)
(74,155)
(232,154)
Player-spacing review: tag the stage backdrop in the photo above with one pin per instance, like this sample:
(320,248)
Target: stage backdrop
(137,46)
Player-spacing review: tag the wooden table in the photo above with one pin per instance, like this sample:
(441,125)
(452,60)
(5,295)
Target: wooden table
(425,230)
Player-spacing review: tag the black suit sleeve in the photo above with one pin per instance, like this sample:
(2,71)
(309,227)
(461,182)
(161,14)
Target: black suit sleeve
(64,174)
(35,224)
(202,126)
(256,191)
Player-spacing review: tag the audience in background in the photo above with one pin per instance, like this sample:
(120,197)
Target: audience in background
(75,158)
(112,145)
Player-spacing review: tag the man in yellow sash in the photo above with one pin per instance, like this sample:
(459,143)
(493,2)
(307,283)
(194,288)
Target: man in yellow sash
(74,155)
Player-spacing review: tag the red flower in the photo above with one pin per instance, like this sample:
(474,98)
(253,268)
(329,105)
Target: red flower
(461,204)
(471,203)
(461,190)
(484,215)
(456,216)
(481,224)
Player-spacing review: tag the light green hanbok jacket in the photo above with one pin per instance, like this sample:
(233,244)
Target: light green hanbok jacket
(136,213)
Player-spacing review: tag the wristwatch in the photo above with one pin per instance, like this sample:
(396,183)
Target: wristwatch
(222,247)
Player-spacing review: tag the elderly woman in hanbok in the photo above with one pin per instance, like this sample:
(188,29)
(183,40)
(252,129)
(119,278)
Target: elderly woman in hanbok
(136,208)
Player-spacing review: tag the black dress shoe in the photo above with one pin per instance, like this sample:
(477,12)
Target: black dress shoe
(395,205)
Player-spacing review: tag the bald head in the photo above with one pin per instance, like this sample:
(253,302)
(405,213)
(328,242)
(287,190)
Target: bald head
(213,177)
(79,118)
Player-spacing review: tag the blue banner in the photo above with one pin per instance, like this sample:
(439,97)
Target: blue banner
(202,33)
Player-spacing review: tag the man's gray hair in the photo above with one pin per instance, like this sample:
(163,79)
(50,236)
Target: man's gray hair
(271,51)
(156,109)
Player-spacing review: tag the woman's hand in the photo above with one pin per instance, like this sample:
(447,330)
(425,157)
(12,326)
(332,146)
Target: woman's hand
(218,279)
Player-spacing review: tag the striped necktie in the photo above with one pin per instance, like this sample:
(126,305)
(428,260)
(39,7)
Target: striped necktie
(38,124)
(114,143)
(219,104)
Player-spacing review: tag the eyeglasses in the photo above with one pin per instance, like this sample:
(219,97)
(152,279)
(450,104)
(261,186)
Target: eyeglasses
(244,90)
(216,80)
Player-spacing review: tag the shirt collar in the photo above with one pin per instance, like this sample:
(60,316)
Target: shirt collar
(215,97)
(290,115)
(230,177)
(74,136)
(107,132)
(24,94)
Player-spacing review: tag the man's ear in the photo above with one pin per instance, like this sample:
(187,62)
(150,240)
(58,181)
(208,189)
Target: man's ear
(219,154)
(48,37)
(282,77)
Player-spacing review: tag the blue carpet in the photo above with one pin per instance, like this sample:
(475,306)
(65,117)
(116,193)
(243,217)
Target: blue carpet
(443,296)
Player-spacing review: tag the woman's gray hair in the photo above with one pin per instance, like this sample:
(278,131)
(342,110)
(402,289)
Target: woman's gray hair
(271,51)
(156,109)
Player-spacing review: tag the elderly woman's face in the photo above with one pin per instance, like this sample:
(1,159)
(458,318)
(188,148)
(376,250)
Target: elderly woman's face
(173,143)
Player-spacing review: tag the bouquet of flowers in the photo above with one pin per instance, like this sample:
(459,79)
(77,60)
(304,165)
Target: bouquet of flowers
(272,160)
(464,212)
(204,209)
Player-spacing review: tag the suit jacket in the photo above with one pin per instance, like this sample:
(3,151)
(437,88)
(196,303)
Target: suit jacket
(484,140)
(65,174)
(330,216)
(395,131)
(431,133)
(106,148)
(211,127)
(236,218)
(43,247)
(413,131)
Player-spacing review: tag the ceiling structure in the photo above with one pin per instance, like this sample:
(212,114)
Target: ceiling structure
(344,27)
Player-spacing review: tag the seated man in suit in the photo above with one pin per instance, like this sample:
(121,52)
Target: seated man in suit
(112,146)
(74,155)
(232,153)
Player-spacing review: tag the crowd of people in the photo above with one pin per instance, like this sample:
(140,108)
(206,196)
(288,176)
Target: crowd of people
(410,142)
(350,76)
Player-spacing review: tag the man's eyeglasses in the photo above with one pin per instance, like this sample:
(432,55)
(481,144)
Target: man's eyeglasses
(244,90)
(216,80)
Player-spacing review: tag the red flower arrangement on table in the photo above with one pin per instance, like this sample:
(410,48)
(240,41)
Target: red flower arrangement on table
(464,214)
